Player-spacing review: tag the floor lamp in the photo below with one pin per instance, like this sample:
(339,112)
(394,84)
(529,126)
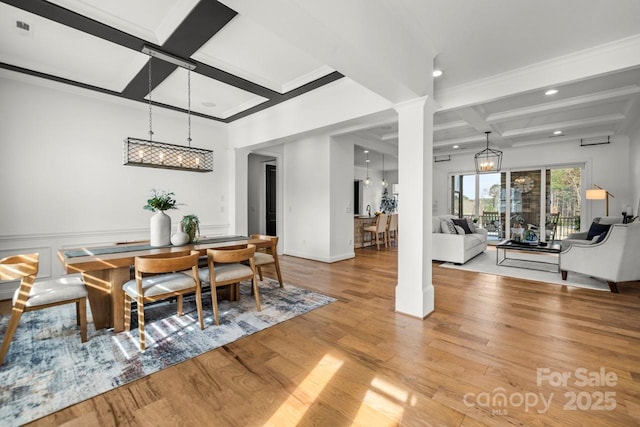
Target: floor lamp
(599,193)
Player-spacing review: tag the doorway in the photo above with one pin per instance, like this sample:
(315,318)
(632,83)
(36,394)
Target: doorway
(270,198)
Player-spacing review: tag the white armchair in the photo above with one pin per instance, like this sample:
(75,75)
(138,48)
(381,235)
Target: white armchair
(614,259)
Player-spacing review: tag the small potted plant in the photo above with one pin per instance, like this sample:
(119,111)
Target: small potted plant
(160,226)
(191,226)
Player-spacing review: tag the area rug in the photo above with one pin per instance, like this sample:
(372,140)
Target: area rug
(48,368)
(521,268)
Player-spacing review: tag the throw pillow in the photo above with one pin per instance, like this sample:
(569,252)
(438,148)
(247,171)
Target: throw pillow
(601,237)
(448,227)
(597,229)
(461,222)
(459,230)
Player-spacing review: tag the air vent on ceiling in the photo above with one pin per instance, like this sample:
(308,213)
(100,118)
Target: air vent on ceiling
(22,25)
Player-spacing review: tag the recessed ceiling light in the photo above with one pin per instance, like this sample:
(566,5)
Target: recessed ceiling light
(456,146)
(551,92)
(437,73)
(209,104)
(558,132)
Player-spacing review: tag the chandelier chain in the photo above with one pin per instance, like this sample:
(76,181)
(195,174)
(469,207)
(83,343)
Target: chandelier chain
(150,119)
(189,104)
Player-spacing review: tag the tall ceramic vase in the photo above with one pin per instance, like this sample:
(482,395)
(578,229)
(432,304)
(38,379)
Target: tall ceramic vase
(160,229)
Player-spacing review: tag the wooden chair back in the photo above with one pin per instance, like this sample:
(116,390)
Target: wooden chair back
(19,266)
(272,248)
(167,263)
(228,256)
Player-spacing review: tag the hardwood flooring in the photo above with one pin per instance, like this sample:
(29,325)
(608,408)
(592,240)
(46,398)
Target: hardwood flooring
(472,362)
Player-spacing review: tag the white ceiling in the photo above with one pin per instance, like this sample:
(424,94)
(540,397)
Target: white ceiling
(271,51)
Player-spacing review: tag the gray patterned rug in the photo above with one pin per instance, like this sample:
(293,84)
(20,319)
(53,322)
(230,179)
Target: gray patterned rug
(48,368)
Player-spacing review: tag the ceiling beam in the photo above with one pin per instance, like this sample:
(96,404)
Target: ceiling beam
(597,97)
(590,121)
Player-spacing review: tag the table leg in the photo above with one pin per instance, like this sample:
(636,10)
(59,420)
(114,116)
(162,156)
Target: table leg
(106,298)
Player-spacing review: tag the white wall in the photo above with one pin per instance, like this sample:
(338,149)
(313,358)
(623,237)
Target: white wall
(307,202)
(341,191)
(61,174)
(606,165)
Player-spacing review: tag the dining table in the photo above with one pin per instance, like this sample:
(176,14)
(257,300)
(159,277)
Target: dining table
(106,268)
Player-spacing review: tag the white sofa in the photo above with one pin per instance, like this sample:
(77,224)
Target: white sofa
(456,248)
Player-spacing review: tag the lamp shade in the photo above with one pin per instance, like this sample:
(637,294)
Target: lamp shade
(596,194)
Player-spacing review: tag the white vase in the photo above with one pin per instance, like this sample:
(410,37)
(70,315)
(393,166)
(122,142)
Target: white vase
(180,238)
(160,229)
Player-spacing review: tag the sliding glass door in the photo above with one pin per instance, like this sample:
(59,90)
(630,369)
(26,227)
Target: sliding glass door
(545,201)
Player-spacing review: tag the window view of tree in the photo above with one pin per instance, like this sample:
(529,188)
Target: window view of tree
(566,197)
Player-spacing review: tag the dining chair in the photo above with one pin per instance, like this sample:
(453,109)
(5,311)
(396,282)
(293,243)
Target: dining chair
(380,227)
(32,295)
(267,255)
(159,277)
(227,268)
(392,229)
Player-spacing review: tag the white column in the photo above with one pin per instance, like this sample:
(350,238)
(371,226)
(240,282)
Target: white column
(414,292)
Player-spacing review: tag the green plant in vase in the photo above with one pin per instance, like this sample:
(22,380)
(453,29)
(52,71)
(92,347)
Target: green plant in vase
(161,201)
(191,226)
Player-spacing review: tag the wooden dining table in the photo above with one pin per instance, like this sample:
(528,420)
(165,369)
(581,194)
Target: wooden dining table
(106,268)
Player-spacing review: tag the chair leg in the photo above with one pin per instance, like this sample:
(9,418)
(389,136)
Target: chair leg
(613,286)
(199,307)
(180,305)
(141,323)
(214,304)
(277,265)
(127,312)
(256,293)
(8,335)
(260,273)
(81,314)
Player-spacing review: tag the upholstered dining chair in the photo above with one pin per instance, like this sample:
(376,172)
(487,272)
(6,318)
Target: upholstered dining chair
(227,268)
(379,228)
(267,255)
(159,277)
(32,295)
(392,229)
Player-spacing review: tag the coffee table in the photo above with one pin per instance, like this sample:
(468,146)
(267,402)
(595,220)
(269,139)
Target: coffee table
(507,246)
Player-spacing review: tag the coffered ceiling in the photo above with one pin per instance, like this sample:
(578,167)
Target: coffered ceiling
(591,110)
(251,55)
(240,67)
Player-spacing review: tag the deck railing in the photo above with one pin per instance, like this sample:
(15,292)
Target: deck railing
(492,222)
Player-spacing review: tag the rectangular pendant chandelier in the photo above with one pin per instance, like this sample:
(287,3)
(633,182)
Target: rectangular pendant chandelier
(488,160)
(152,154)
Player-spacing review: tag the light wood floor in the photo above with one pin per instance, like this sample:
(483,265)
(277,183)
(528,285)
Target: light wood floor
(357,362)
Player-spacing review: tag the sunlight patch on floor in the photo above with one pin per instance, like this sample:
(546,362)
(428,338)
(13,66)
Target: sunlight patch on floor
(295,407)
(383,398)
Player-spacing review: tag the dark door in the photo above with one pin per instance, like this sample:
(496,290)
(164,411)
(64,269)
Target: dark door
(271,200)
